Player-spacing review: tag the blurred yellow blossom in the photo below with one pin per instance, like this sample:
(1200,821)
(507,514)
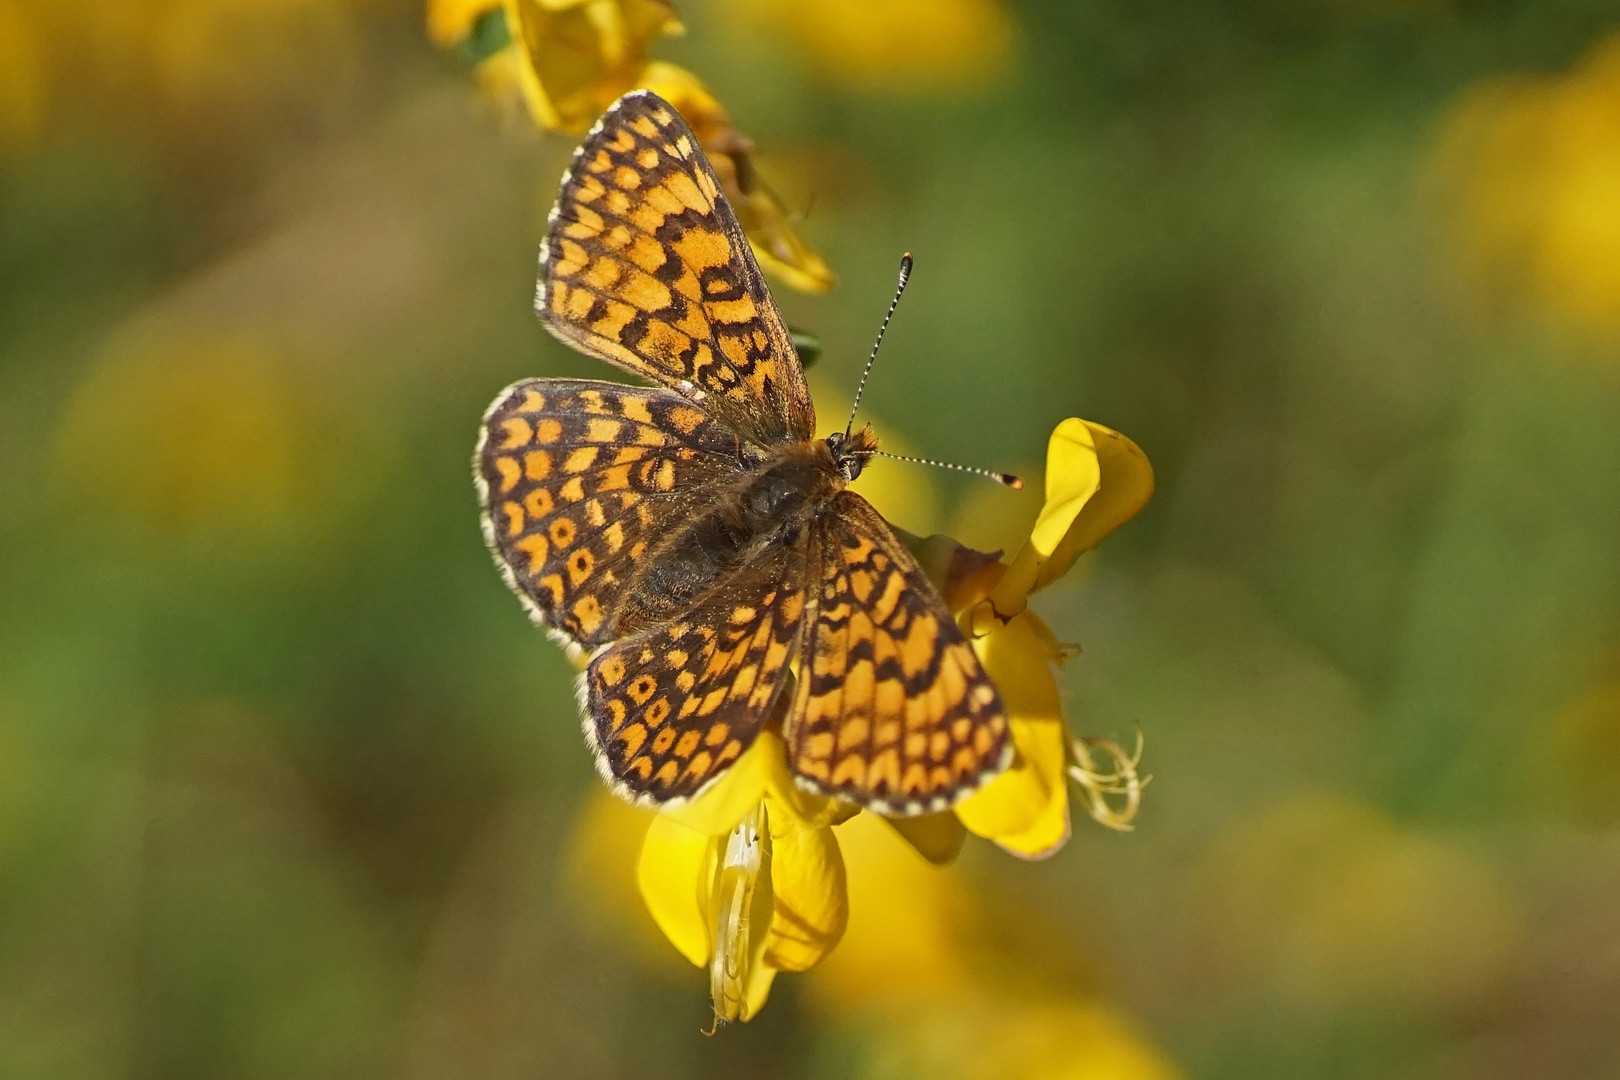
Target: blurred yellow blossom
(210,50)
(1576,760)
(907,46)
(209,433)
(1323,899)
(22,77)
(933,994)
(568,60)
(1528,170)
(194,56)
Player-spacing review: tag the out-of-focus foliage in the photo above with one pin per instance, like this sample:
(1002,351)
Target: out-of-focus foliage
(290,788)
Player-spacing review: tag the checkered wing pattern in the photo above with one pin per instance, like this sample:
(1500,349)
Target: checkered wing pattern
(580,479)
(668,710)
(893,710)
(646,267)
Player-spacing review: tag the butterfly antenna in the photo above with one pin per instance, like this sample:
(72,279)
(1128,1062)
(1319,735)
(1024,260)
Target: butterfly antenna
(999,477)
(905,275)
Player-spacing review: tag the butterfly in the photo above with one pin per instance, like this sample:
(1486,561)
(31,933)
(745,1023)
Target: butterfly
(695,539)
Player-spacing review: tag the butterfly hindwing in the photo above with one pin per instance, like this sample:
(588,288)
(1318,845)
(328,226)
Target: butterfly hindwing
(670,709)
(578,479)
(893,710)
(645,266)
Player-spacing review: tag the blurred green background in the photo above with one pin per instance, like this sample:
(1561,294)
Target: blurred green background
(290,788)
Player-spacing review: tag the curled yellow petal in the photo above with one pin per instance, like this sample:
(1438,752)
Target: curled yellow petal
(1126,486)
(1073,475)
(1096,480)
(674,874)
(1026,808)
(812,896)
(718,810)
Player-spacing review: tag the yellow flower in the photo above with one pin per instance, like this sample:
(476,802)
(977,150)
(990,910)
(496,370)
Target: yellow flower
(1096,480)
(22,78)
(568,60)
(906,46)
(748,880)
(1527,172)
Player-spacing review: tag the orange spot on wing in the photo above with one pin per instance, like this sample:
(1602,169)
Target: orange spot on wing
(517,432)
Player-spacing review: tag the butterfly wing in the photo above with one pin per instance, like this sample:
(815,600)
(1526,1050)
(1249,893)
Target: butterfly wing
(893,710)
(577,479)
(668,710)
(645,266)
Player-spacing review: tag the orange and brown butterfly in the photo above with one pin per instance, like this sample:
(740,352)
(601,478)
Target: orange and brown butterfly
(696,539)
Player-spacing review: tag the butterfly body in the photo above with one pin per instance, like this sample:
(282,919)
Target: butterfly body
(769,505)
(695,539)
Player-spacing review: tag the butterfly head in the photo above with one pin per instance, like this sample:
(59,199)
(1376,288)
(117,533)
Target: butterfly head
(851,452)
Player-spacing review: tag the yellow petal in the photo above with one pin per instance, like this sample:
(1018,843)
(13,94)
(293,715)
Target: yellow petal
(700,109)
(674,874)
(812,897)
(1126,486)
(937,837)
(1072,478)
(909,928)
(1026,808)
(1096,480)
(1049,831)
(789,803)
(578,58)
(717,811)
(757,990)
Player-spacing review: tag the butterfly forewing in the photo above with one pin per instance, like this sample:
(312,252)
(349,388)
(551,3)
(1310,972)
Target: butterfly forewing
(580,479)
(893,709)
(646,267)
(668,710)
